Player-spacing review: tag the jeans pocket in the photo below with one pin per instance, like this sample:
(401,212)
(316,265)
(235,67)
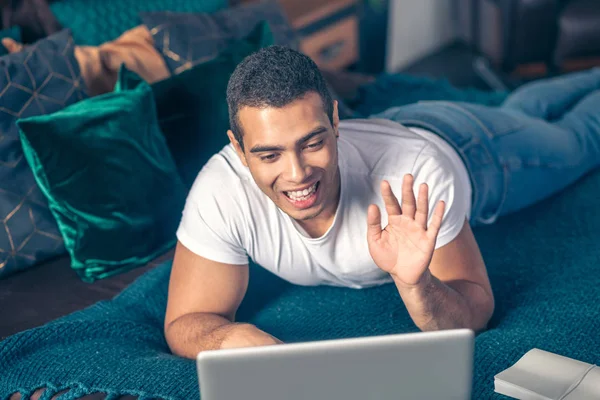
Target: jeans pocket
(495,122)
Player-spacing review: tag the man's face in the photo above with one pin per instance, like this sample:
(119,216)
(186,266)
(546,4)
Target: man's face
(291,153)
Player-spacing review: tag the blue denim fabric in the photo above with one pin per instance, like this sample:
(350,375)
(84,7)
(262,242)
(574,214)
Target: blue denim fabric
(542,138)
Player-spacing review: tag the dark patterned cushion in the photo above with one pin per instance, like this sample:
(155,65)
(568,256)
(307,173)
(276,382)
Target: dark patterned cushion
(185,40)
(41,79)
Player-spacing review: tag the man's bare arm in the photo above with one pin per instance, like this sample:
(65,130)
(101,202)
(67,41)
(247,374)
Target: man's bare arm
(442,288)
(204,296)
(455,292)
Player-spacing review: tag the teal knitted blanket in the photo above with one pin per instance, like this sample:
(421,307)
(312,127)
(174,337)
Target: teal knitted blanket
(394,90)
(543,262)
(544,265)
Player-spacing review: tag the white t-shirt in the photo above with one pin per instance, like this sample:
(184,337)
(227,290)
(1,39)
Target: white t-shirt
(227,218)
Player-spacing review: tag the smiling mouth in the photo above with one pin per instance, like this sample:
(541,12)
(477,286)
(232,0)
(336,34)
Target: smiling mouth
(302,195)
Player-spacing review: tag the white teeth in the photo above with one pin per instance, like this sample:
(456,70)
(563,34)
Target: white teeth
(301,194)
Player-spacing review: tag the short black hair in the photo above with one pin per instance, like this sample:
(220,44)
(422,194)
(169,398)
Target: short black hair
(274,76)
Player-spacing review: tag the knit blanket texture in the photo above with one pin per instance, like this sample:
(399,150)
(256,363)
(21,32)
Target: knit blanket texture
(543,263)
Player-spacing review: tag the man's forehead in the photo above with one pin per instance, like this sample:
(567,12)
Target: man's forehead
(273,123)
(309,104)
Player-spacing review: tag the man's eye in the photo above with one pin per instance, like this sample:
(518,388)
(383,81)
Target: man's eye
(268,157)
(315,145)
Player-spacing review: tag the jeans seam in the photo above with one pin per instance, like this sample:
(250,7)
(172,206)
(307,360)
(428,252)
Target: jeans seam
(504,191)
(526,164)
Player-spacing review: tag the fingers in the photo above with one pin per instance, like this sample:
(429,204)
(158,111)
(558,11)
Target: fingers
(409,204)
(417,209)
(392,207)
(422,212)
(11,45)
(373,223)
(436,219)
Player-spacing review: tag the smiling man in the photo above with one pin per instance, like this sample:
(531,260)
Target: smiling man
(365,202)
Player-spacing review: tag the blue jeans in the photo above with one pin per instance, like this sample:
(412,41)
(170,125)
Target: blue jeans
(544,137)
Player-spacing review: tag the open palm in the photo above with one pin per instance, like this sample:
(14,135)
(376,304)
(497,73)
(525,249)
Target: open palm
(404,248)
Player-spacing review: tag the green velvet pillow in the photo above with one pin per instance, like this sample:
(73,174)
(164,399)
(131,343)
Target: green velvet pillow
(192,105)
(111,183)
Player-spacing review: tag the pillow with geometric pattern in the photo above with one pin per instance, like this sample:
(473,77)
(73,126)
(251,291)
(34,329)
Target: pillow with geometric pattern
(40,79)
(188,39)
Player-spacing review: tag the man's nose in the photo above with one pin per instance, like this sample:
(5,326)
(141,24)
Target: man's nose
(297,171)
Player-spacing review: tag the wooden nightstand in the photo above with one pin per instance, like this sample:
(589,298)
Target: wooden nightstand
(328,30)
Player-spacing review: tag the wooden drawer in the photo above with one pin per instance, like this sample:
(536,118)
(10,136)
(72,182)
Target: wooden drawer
(335,46)
(303,13)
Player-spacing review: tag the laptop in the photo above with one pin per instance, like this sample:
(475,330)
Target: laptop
(423,365)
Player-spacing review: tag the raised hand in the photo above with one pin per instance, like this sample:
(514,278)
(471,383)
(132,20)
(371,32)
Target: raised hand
(404,248)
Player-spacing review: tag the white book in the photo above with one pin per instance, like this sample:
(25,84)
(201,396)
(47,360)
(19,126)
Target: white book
(541,375)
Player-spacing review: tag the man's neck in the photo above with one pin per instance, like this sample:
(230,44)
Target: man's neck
(316,229)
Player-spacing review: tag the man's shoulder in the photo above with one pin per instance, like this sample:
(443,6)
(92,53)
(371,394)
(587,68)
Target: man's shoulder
(378,147)
(222,176)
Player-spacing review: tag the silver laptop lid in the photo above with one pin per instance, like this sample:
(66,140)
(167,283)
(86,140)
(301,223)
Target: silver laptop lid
(424,365)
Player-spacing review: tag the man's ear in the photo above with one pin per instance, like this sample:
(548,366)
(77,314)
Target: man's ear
(336,118)
(237,147)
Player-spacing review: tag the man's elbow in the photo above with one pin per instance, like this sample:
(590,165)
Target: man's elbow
(477,306)
(168,333)
(482,313)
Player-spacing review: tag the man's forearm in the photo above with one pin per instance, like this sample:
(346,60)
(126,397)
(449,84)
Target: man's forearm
(192,333)
(434,305)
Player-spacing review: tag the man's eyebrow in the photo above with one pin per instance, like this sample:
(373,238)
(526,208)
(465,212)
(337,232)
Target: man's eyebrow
(266,148)
(315,132)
